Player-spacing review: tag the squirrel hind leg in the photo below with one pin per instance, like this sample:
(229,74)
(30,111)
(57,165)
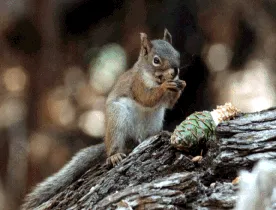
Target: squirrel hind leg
(119,125)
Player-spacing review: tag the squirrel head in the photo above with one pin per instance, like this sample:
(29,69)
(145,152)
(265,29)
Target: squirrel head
(159,57)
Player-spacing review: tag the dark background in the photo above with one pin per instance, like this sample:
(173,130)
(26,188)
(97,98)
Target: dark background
(59,59)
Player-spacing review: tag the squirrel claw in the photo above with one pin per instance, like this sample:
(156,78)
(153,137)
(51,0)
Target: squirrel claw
(115,159)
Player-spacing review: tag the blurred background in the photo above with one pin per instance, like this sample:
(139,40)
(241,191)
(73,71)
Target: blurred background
(59,60)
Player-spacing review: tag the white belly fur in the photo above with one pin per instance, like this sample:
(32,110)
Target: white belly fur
(144,122)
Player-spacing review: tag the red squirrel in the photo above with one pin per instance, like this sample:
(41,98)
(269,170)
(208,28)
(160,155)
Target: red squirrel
(135,110)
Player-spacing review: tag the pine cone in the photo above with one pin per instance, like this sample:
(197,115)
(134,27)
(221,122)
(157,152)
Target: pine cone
(195,130)
(199,127)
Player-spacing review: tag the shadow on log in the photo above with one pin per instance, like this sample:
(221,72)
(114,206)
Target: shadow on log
(157,176)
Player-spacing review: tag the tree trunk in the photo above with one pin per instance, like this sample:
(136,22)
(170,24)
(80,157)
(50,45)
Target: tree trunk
(157,176)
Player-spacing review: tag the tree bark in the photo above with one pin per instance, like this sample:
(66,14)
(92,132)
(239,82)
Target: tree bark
(157,176)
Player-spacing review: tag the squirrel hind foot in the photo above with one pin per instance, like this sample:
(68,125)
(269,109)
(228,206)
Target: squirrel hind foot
(115,159)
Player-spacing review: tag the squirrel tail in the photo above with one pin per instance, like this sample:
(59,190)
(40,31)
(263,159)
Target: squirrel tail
(79,164)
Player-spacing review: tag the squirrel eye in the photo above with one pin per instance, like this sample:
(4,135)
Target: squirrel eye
(156,61)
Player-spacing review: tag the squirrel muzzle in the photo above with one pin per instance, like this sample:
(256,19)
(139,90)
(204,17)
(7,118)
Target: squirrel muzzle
(169,74)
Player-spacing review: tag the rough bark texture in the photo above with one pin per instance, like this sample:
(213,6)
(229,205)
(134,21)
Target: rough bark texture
(157,176)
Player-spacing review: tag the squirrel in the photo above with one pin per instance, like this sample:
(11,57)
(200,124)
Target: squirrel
(135,110)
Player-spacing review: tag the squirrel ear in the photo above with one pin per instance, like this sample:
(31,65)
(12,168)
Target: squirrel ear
(167,36)
(145,44)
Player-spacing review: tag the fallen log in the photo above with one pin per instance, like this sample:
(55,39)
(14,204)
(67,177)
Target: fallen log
(157,176)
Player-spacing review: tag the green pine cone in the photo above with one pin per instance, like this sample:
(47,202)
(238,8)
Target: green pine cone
(194,131)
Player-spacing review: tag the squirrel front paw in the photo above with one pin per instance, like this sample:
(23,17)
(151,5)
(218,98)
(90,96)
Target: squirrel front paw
(181,84)
(115,159)
(177,85)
